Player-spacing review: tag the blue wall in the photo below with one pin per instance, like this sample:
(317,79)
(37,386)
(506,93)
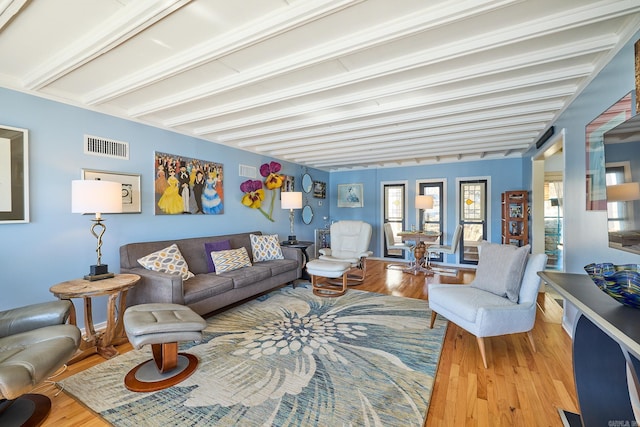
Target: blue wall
(56,245)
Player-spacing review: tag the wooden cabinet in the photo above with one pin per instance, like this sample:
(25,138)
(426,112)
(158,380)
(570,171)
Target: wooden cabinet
(515,217)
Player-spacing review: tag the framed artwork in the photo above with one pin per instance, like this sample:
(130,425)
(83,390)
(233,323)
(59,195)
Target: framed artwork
(183,185)
(350,195)
(288,183)
(130,187)
(14,175)
(594,146)
(319,189)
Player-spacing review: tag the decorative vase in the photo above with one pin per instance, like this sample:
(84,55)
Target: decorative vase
(620,282)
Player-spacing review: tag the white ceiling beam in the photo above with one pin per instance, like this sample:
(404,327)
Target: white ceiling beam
(278,22)
(131,20)
(431,17)
(469,91)
(452,76)
(9,9)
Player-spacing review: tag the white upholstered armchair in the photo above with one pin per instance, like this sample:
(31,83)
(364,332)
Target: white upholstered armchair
(494,304)
(350,243)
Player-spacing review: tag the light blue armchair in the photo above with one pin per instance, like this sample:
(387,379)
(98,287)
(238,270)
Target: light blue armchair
(486,314)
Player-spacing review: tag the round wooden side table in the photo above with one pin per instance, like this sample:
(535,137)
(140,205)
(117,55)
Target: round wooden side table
(116,289)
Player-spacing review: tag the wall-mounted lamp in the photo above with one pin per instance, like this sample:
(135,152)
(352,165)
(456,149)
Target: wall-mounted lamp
(97,197)
(623,192)
(291,200)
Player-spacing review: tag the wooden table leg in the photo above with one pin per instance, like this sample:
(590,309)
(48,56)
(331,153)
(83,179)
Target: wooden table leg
(104,344)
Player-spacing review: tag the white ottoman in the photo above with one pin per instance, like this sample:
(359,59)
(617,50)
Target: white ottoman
(331,269)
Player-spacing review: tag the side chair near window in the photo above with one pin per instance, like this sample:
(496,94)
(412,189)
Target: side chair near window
(350,243)
(502,298)
(35,342)
(392,245)
(444,249)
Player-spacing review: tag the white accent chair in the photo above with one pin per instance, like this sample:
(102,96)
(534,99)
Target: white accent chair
(445,249)
(350,243)
(392,245)
(485,314)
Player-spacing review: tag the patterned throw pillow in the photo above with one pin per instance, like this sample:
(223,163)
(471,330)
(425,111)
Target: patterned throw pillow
(167,260)
(220,245)
(230,260)
(265,248)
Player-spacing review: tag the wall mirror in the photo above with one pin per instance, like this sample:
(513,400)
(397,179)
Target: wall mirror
(307,214)
(307,183)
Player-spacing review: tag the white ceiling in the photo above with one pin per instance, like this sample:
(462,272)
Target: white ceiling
(332,84)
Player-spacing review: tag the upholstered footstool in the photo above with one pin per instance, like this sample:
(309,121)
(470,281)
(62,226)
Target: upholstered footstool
(330,269)
(162,326)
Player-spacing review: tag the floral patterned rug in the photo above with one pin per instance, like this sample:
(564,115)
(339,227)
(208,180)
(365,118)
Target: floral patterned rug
(288,358)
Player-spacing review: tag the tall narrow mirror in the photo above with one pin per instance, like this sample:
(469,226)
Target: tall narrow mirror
(307,214)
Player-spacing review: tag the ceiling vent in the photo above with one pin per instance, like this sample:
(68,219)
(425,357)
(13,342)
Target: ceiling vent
(247,171)
(104,147)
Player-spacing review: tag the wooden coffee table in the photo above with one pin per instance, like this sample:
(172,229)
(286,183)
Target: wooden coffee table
(116,288)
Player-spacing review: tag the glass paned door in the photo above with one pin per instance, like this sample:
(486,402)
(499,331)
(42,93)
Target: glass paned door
(394,213)
(473,217)
(433,219)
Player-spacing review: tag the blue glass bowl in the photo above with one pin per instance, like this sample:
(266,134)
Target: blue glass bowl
(620,282)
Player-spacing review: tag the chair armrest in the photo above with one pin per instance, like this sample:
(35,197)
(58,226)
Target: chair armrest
(155,287)
(365,254)
(502,320)
(34,316)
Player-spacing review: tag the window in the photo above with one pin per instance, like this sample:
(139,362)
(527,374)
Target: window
(394,213)
(473,217)
(432,219)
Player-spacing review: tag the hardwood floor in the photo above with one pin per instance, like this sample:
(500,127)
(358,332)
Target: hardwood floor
(519,388)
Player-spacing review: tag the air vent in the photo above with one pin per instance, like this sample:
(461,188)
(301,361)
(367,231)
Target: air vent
(104,147)
(247,171)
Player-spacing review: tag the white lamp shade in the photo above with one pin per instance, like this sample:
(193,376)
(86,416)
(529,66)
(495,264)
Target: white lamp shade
(623,192)
(291,199)
(96,196)
(424,202)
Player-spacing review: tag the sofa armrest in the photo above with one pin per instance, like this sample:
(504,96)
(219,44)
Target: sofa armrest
(293,253)
(155,287)
(34,316)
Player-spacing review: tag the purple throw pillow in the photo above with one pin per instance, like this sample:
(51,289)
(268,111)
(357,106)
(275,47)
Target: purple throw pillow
(222,245)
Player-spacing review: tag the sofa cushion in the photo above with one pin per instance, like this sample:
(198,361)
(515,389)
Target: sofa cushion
(204,286)
(500,269)
(248,276)
(167,260)
(265,248)
(230,260)
(222,245)
(279,266)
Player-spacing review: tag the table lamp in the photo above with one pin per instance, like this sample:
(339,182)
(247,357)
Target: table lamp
(97,197)
(291,200)
(424,202)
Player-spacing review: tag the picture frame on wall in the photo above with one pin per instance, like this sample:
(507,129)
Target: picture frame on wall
(288,183)
(319,189)
(596,189)
(130,187)
(185,185)
(350,195)
(14,175)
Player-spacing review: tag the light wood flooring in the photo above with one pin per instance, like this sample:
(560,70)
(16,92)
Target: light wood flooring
(519,388)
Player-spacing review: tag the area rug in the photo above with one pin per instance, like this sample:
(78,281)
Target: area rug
(288,358)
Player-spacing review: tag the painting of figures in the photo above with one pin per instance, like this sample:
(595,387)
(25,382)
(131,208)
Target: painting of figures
(187,186)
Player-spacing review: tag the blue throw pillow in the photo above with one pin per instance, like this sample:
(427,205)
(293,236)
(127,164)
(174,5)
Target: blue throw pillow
(221,245)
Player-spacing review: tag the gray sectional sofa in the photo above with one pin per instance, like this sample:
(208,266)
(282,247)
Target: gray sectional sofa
(206,291)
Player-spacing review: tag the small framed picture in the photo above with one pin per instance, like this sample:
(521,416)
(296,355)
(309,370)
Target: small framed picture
(350,195)
(14,175)
(288,183)
(319,189)
(130,187)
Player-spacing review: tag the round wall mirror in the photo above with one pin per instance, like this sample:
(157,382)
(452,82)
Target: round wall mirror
(307,183)
(307,214)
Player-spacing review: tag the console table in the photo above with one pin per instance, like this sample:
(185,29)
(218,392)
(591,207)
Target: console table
(606,353)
